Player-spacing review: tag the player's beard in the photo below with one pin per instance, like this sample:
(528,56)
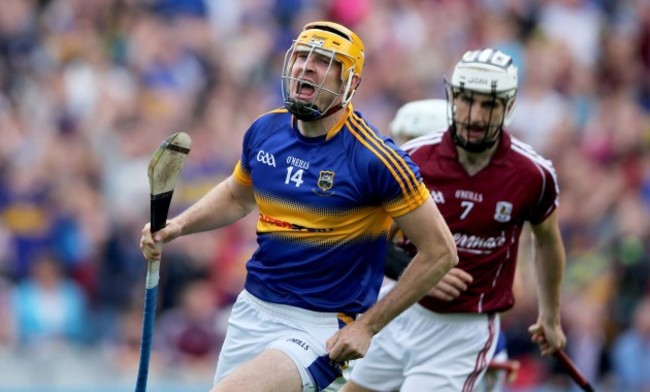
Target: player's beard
(475,138)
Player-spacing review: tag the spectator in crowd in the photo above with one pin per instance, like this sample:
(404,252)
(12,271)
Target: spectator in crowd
(631,352)
(49,306)
(189,334)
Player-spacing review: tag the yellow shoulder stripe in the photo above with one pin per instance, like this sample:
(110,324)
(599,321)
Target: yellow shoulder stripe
(242,176)
(393,161)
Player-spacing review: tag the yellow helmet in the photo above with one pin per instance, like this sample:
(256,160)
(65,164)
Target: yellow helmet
(334,38)
(338,43)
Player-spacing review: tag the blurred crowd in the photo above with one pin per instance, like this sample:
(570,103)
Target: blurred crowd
(89,88)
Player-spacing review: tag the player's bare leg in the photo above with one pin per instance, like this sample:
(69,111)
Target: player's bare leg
(272,370)
(350,386)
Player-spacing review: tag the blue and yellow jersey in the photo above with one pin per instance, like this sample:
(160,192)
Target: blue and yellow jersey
(325,207)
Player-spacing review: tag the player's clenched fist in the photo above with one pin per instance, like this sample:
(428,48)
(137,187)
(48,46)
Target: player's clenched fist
(451,285)
(350,342)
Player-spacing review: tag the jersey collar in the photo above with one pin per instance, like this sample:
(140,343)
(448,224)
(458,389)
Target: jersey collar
(332,132)
(339,125)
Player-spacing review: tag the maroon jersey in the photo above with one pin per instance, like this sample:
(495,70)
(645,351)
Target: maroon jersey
(485,213)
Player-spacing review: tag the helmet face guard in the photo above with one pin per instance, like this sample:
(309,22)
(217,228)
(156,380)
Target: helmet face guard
(492,130)
(343,48)
(486,72)
(307,111)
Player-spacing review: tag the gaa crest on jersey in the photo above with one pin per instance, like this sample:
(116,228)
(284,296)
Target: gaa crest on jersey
(503,211)
(326,180)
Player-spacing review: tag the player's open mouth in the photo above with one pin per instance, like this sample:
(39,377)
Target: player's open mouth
(304,91)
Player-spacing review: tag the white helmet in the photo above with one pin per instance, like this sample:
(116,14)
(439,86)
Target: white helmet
(483,71)
(486,71)
(416,118)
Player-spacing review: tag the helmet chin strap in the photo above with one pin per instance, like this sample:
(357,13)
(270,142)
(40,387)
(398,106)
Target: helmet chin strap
(309,112)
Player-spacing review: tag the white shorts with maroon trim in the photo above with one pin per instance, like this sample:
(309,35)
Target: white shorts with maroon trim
(255,326)
(424,351)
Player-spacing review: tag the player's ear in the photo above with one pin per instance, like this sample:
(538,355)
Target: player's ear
(356,80)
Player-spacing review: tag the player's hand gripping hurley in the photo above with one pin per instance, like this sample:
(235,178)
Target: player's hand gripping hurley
(567,363)
(163,172)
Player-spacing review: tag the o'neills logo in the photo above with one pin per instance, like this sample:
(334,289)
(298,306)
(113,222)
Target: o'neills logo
(477,244)
(292,226)
(276,222)
(299,342)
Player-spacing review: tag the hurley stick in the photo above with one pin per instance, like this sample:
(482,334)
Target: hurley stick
(163,172)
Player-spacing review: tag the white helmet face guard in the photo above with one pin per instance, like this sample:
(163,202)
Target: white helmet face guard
(492,131)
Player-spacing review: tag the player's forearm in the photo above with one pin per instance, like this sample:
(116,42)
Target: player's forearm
(396,261)
(549,265)
(218,208)
(426,228)
(420,276)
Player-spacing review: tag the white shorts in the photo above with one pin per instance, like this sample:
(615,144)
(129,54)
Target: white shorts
(255,326)
(494,380)
(425,351)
